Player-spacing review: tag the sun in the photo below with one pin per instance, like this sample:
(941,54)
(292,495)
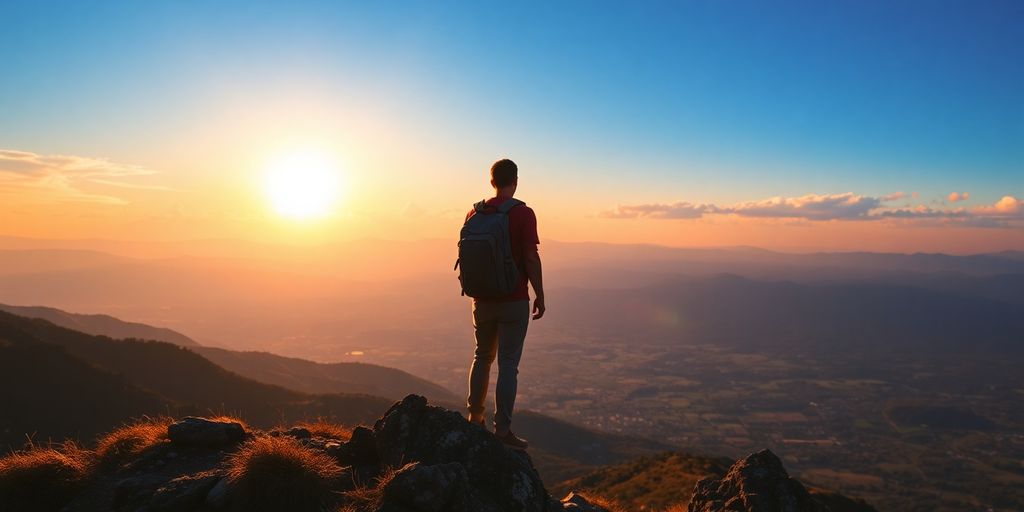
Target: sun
(303,185)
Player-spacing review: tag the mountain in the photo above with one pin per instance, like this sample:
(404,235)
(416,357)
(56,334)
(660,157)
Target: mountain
(101,325)
(154,378)
(178,376)
(292,373)
(311,377)
(48,394)
(750,313)
(415,458)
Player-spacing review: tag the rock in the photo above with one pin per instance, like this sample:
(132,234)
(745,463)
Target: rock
(183,493)
(757,483)
(360,450)
(579,503)
(134,493)
(498,478)
(193,431)
(218,495)
(298,433)
(436,488)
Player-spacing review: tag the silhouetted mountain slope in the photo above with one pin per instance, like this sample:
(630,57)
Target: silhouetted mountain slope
(101,325)
(750,313)
(189,380)
(311,377)
(292,373)
(47,394)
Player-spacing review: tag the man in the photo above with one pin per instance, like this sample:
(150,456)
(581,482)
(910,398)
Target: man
(500,323)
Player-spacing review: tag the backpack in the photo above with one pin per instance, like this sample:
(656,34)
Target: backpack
(485,264)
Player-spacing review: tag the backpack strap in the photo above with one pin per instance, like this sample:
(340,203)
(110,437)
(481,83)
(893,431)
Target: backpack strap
(508,205)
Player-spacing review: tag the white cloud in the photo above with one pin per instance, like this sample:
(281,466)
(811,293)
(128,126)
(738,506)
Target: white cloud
(65,177)
(680,210)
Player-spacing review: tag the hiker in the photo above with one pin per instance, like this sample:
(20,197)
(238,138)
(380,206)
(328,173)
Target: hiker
(497,257)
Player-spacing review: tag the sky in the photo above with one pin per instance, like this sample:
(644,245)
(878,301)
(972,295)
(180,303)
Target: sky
(891,126)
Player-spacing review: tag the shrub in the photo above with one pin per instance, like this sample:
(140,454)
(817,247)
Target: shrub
(42,479)
(278,473)
(323,428)
(131,440)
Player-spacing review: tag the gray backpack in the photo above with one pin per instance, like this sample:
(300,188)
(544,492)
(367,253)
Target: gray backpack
(485,264)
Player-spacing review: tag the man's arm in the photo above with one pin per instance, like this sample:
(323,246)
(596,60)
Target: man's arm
(533,273)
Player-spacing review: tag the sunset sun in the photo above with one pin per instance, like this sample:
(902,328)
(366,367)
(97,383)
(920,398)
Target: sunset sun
(303,185)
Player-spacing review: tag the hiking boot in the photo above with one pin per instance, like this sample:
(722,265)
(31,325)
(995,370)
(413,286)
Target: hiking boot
(479,421)
(512,441)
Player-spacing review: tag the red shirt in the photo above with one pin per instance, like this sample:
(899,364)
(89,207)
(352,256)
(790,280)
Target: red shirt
(522,230)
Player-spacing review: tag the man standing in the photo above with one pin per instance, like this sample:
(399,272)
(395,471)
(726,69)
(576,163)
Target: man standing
(500,322)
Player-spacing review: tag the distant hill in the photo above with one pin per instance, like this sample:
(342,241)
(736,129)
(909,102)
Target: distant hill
(311,377)
(101,325)
(822,316)
(174,375)
(292,373)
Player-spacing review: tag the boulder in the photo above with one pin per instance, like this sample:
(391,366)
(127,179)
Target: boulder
(498,478)
(437,488)
(757,483)
(193,431)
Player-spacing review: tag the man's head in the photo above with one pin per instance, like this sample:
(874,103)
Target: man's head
(504,174)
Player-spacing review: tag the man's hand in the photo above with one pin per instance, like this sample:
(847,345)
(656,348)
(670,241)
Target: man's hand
(538,308)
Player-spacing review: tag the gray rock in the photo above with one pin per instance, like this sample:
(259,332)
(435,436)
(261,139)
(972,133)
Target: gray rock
(498,478)
(436,488)
(193,431)
(218,496)
(757,483)
(184,493)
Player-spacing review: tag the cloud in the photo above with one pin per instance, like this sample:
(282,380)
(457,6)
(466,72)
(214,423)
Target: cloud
(65,177)
(810,207)
(958,196)
(680,210)
(1008,211)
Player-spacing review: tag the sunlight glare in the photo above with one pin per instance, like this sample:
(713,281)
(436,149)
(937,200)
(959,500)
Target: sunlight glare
(302,185)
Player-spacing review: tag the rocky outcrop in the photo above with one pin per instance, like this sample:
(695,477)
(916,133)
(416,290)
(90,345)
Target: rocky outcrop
(757,483)
(193,431)
(415,458)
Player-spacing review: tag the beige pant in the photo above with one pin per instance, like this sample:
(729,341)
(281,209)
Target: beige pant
(500,329)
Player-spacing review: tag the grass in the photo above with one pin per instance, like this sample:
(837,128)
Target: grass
(324,428)
(278,473)
(131,440)
(368,498)
(43,479)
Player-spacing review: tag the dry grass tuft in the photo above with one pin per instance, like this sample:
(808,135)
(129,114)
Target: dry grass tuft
(131,440)
(230,419)
(369,498)
(600,501)
(324,428)
(278,473)
(42,479)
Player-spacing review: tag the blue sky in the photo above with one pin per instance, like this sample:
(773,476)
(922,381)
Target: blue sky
(697,101)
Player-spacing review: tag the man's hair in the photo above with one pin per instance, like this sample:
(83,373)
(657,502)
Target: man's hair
(504,173)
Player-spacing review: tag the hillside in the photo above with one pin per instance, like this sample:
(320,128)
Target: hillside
(101,325)
(311,377)
(180,377)
(289,372)
(415,458)
(175,380)
(668,479)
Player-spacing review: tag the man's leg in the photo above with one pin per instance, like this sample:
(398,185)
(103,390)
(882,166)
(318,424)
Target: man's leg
(485,328)
(512,324)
